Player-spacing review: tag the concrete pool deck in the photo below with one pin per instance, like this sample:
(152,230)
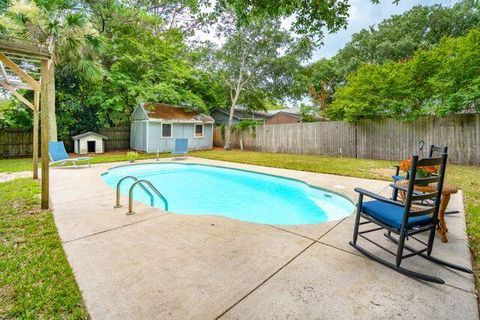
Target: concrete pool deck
(158,265)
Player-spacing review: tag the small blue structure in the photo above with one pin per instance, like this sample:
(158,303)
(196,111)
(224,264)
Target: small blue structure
(155,126)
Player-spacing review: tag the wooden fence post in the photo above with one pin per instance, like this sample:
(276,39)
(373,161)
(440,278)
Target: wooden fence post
(477,137)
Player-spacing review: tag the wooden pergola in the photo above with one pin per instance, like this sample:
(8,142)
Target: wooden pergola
(25,65)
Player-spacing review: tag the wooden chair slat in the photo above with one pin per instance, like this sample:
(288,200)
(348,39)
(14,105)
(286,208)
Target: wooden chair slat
(429,162)
(421,212)
(424,196)
(428,180)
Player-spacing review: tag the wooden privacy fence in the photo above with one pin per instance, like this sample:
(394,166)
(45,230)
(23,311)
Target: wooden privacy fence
(385,139)
(118,138)
(16,143)
(19,142)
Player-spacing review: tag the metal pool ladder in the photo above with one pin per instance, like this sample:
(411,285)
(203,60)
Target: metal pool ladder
(130,193)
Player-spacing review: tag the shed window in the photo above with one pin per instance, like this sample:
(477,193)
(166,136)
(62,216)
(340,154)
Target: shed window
(166,130)
(199,131)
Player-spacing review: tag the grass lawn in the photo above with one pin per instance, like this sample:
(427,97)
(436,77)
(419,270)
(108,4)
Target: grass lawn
(26,164)
(36,281)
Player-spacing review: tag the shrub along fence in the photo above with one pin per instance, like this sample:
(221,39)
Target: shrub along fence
(19,142)
(385,139)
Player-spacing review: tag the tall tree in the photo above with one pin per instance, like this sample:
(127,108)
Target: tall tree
(257,63)
(439,81)
(144,65)
(67,33)
(394,39)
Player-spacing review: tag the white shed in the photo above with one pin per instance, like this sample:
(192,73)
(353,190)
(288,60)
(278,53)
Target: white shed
(89,142)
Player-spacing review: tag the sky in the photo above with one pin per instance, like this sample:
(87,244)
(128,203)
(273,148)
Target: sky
(363,14)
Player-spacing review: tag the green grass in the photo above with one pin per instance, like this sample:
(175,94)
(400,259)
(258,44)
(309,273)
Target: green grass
(14,165)
(36,281)
(466,178)
(341,166)
(26,164)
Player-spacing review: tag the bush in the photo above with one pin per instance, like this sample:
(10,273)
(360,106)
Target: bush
(132,156)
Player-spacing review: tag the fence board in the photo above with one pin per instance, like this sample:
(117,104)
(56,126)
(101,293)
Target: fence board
(19,142)
(372,139)
(118,138)
(16,143)
(386,139)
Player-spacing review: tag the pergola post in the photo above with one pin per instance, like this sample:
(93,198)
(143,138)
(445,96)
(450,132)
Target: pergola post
(43,92)
(36,105)
(44,72)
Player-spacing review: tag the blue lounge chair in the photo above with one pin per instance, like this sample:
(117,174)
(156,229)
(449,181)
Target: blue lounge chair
(58,154)
(181,148)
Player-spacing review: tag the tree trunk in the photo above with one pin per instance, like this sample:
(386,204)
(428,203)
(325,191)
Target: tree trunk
(51,105)
(228,131)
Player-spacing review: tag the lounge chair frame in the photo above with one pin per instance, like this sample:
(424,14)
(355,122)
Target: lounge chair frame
(406,233)
(74,161)
(182,154)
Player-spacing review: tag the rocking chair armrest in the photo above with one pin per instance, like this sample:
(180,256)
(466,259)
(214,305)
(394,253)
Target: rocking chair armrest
(397,169)
(377,197)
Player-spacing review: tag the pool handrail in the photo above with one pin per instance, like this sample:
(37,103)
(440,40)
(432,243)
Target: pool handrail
(117,191)
(140,182)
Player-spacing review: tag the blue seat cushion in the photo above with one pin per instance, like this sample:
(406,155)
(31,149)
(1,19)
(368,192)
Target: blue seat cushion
(397,178)
(392,215)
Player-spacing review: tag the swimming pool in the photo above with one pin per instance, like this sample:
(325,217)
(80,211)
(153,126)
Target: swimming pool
(244,195)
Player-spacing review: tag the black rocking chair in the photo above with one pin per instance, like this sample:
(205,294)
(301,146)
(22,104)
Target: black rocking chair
(404,220)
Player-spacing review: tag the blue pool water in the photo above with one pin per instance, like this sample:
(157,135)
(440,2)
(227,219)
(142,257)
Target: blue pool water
(243,195)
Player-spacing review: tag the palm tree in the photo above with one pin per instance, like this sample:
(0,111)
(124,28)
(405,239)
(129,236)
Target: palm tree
(66,31)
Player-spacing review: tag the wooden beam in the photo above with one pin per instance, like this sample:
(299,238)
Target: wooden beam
(24,48)
(45,156)
(36,104)
(4,72)
(20,72)
(17,95)
(18,85)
